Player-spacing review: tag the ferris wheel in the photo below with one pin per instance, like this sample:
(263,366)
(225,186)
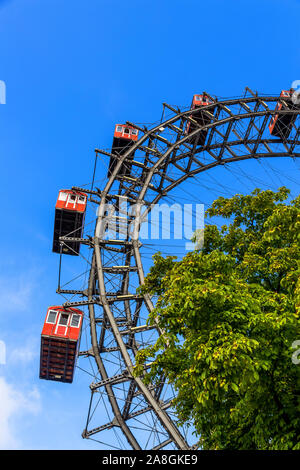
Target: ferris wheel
(144,165)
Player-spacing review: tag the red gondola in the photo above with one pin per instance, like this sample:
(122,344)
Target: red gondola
(69,219)
(199,101)
(124,137)
(59,343)
(281,125)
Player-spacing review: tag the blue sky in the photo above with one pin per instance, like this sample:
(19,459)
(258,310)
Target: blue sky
(72,70)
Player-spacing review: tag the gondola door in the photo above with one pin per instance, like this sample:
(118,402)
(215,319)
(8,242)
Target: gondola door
(71,201)
(63,324)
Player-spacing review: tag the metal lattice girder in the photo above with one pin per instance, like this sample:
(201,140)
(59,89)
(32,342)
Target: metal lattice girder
(163,158)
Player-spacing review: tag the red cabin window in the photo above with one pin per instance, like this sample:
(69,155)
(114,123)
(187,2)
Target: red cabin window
(63,320)
(51,318)
(75,320)
(62,196)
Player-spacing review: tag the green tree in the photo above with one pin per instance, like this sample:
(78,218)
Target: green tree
(229,315)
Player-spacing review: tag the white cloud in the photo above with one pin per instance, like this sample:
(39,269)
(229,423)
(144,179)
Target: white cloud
(13,405)
(16,292)
(21,352)
(22,355)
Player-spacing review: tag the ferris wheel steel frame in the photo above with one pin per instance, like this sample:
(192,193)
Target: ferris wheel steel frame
(166,157)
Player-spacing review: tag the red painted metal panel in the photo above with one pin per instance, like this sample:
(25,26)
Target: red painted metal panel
(71,200)
(201,100)
(56,330)
(126,132)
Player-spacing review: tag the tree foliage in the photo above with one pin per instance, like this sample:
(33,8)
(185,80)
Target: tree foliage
(229,315)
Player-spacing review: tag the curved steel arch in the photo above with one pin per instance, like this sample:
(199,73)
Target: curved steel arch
(163,158)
